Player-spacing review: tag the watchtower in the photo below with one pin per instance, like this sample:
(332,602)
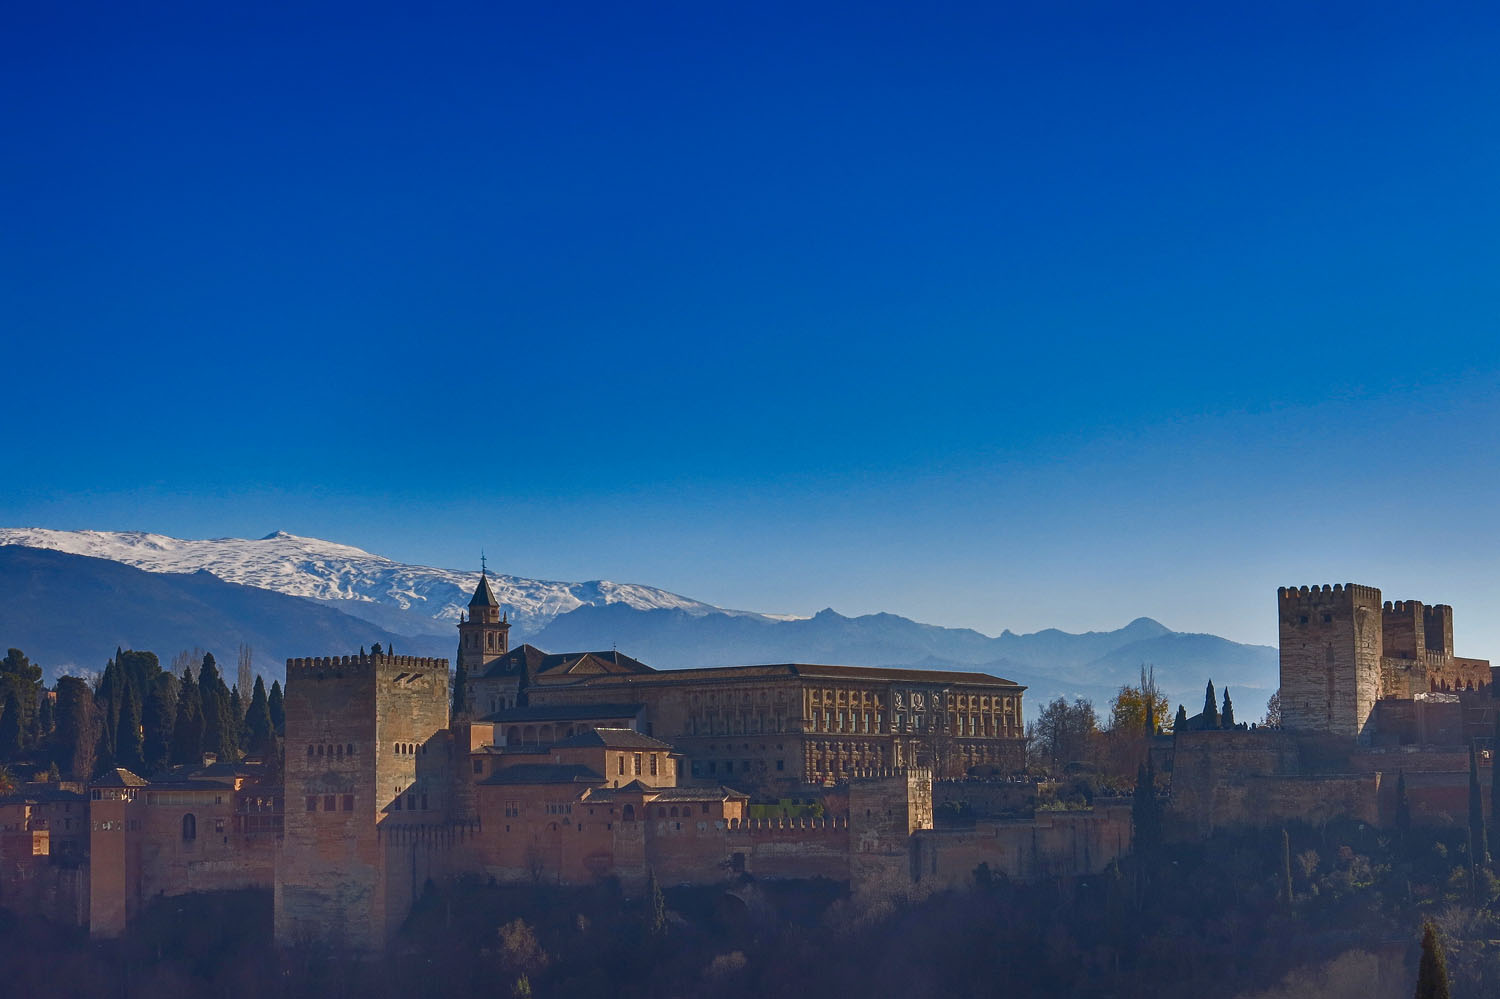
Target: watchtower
(367,755)
(1332,642)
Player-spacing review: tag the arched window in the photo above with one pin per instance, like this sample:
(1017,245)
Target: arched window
(189,827)
(320,750)
(349,750)
(629,814)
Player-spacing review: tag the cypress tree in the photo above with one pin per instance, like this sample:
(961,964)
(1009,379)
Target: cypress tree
(237,718)
(10,728)
(1226,720)
(460,692)
(1495,793)
(157,722)
(1403,814)
(1287,896)
(219,729)
(275,704)
(258,727)
(187,727)
(1179,723)
(1150,716)
(1478,854)
(76,721)
(1432,973)
(656,905)
(1210,707)
(128,747)
(46,719)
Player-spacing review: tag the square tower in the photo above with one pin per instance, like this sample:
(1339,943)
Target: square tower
(367,755)
(1331,646)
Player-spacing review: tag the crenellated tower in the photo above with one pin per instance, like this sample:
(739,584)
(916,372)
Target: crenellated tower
(484,635)
(1332,642)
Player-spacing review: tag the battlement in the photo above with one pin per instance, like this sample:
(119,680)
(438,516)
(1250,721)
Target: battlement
(368,661)
(889,772)
(1339,592)
(832,823)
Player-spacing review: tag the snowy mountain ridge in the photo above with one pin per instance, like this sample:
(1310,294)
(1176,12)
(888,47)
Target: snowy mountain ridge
(355,580)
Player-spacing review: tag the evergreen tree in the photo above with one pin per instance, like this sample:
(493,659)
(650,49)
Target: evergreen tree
(1210,708)
(157,719)
(237,718)
(219,729)
(22,677)
(1179,723)
(460,693)
(656,905)
(187,727)
(259,732)
(1150,718)
(275,704)
(1477,840)
(1432,973)
(1495,794)
(1226,720)
(1287,896)
(75,738)
(128,746)
(107,713)
(10,728)
(1145,812)
(46,720)
(1403,813)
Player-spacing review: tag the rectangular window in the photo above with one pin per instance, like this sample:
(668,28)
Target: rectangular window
(479,766)
(781,764)
(328,803)
(713,767)
(622,764)
(396,805)
(218,825)
(411,802)
(312,803)
(424,802)
(653,764)
(348,802)
(637,764)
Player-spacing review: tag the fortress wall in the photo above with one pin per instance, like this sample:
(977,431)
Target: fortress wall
(985,798)
(1055,844)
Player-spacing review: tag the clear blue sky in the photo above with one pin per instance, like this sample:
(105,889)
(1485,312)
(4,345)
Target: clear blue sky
(997,315)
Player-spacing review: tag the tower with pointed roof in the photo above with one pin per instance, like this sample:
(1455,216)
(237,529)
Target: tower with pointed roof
(484,634)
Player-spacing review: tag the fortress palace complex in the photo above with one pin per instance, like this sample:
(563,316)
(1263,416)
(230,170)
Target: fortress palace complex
(567,769)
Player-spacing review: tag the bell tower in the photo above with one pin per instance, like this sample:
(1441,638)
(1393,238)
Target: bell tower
(484,635)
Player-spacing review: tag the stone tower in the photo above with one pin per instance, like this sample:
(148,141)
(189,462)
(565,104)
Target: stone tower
(1332,641)
(368,766)
(484,635)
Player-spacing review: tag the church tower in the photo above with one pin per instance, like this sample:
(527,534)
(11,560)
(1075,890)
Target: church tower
(484,635)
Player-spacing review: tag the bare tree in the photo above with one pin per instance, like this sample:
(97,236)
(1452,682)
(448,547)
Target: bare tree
(185,660)
(246,675)
(1273,710)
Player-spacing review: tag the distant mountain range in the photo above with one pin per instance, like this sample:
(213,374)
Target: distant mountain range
(68,598)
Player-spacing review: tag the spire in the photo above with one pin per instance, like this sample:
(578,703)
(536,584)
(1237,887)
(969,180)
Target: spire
(483,595)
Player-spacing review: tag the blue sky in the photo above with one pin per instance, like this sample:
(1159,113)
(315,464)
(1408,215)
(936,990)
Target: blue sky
(990,315)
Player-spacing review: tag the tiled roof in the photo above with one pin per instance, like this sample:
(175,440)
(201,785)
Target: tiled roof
(806,671)
(119,777)
(544,773)
(564,712)
(612,738)
(713,792)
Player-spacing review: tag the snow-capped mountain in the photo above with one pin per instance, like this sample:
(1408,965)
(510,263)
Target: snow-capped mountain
(404,597)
